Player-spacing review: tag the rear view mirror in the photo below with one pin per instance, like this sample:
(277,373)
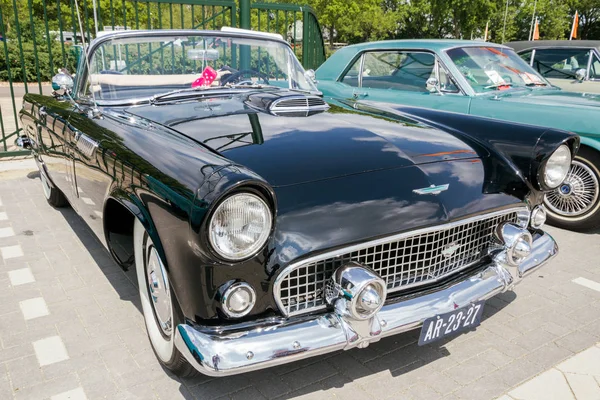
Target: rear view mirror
(201,54)
(580,74)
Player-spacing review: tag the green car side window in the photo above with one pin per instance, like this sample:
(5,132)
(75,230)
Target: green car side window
(446,82)
(351,77)
(398,70)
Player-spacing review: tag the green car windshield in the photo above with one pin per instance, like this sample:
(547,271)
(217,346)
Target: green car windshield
(494,68)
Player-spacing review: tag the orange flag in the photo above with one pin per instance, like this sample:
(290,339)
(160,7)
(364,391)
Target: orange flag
(536,31)
(575,26)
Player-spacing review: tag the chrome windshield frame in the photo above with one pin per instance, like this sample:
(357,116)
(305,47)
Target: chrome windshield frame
(79,88)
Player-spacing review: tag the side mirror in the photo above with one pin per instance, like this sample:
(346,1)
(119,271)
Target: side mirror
(23,142)
(433,85)
(580,74)
(310,76)
(63,81)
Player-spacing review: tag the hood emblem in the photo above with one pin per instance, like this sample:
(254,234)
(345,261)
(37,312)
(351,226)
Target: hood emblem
(449,249)
(433,189)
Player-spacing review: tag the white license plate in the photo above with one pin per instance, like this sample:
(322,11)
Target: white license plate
(459,320)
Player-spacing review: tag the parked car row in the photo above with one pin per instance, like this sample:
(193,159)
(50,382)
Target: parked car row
(487,80)
(267,224)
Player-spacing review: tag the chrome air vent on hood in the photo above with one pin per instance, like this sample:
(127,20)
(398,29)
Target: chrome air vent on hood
(287,103)
(298,103)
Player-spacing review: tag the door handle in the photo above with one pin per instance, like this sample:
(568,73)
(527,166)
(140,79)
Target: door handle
(361,95)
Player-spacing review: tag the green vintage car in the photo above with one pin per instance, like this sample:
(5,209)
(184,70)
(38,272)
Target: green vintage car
(483,79)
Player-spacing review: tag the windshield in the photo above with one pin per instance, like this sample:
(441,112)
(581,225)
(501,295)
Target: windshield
(490,68)
(142,67)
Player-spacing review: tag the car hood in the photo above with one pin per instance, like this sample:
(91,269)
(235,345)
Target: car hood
(548,97)
(552,108)
(352,209)
(292,149)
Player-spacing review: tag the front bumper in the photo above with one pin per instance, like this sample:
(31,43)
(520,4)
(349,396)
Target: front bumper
(276,342)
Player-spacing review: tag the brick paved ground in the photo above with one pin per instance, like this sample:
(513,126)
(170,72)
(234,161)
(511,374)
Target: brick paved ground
(70,327)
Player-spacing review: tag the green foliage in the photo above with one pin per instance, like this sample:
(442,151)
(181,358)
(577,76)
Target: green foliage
(350,21)
(361,20)
(12,64)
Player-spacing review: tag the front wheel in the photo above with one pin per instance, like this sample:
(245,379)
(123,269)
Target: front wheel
(159,306)
(575,204)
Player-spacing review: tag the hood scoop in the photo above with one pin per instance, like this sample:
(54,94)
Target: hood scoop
(290,104)
(298,106)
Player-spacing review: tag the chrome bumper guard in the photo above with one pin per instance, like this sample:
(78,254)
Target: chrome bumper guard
(257,347)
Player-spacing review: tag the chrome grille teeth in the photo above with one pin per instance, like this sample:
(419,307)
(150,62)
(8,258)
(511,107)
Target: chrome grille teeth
(403,263)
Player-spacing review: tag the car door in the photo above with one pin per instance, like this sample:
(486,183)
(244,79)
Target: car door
(92,162)
(404,77)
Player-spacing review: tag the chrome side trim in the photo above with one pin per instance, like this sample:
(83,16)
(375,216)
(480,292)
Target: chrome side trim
(253,348)
(524,220)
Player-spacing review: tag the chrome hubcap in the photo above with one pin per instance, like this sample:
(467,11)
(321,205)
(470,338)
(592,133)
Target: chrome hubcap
(577,194)
(160,295)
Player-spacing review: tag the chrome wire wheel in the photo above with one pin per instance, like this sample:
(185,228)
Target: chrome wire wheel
(577,195)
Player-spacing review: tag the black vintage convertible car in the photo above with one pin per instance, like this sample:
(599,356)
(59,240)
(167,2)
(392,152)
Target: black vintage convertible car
(267,226)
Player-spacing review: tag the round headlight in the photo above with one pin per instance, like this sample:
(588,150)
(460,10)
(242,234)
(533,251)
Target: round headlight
(240,226)
(557,167)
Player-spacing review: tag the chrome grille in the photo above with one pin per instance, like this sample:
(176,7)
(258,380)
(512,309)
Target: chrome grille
(403,261)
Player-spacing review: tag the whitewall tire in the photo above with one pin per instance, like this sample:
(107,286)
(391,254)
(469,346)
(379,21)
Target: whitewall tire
(159,307)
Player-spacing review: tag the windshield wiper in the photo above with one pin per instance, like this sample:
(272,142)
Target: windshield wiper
(158,97)
(499,85)
(536,84)
(205,90)
(253,86)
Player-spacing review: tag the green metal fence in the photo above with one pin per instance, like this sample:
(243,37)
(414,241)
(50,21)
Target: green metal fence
(39,36)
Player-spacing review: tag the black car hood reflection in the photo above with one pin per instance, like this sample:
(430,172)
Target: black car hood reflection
(353,209)
(288,150)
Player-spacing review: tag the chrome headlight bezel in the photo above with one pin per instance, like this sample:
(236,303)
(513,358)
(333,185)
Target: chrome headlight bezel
(546,181)
(538,217)
(257,245)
